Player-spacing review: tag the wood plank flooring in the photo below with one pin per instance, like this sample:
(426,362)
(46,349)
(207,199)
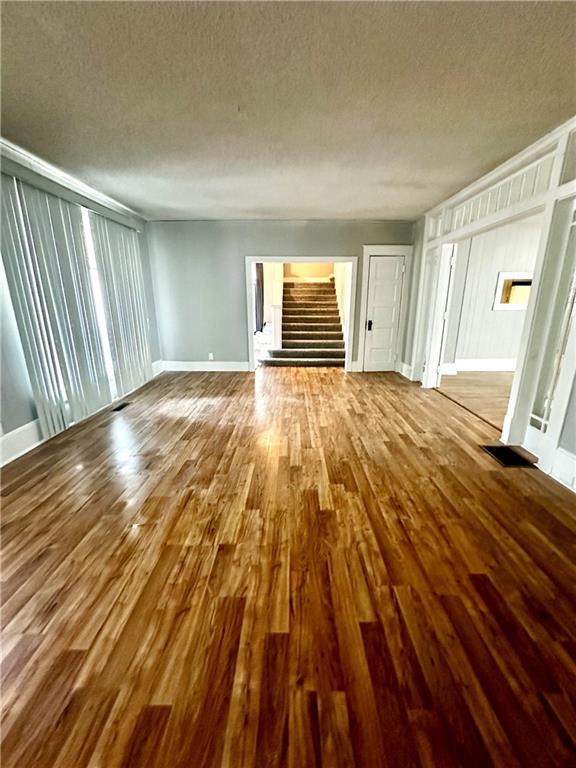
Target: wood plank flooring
(485,393)
(298,567)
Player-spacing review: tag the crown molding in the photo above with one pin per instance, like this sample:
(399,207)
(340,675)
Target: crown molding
(26,159)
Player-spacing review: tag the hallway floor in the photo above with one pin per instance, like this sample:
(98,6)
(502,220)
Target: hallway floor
(485,393)
(298,567)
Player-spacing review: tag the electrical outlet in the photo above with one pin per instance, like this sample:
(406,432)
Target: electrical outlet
(210,355)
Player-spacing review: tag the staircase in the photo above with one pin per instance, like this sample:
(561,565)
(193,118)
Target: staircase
(311,327)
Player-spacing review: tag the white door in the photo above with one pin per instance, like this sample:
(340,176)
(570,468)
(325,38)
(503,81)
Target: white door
(382,318)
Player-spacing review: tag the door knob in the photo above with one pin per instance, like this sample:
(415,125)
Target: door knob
(369,325)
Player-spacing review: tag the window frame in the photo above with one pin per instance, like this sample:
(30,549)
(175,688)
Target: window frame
(503,277)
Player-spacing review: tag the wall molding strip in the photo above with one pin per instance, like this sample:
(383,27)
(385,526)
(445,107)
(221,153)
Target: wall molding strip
(22,157)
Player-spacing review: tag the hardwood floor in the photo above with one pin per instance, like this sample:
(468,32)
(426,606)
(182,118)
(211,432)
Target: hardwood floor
(296,568)
(484,393)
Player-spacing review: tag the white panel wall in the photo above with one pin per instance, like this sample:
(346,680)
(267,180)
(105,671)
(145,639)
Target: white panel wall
(273,279)
(483,332)
(342,286)
(301,270)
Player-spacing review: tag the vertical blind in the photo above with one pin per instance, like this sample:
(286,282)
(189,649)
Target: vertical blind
(117,252)
(68,317)
(47,273)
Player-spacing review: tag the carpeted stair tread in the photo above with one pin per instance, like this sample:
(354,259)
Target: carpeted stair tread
(304,362)
(337,344)
(307,352)
(311,327)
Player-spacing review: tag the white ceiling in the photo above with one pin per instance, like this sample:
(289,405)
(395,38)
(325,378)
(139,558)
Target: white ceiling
(284,110)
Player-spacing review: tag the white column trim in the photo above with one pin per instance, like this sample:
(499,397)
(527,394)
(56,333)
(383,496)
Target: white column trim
(530,360)
(440,303)
(560,401)
(564,468)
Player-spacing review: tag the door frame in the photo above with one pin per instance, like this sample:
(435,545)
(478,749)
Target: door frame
(441,227)
(439,316)
(384,250)
(351,308)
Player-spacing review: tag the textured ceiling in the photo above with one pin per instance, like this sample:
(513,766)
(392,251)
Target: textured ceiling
(284,110)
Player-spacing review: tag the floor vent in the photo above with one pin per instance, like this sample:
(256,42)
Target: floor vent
(508,455)
(121,407)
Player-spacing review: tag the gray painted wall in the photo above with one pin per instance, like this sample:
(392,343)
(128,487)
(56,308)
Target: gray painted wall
(198,271)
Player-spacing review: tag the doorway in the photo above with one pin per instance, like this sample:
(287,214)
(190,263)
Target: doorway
(489,287)
(300,310)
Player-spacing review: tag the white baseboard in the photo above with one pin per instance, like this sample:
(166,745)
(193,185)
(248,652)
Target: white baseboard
(564,468)
(157,367)
(533,440)
(486,364)
(449,369)
(404,370)
(19,441)
(418,371)
(204,365)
